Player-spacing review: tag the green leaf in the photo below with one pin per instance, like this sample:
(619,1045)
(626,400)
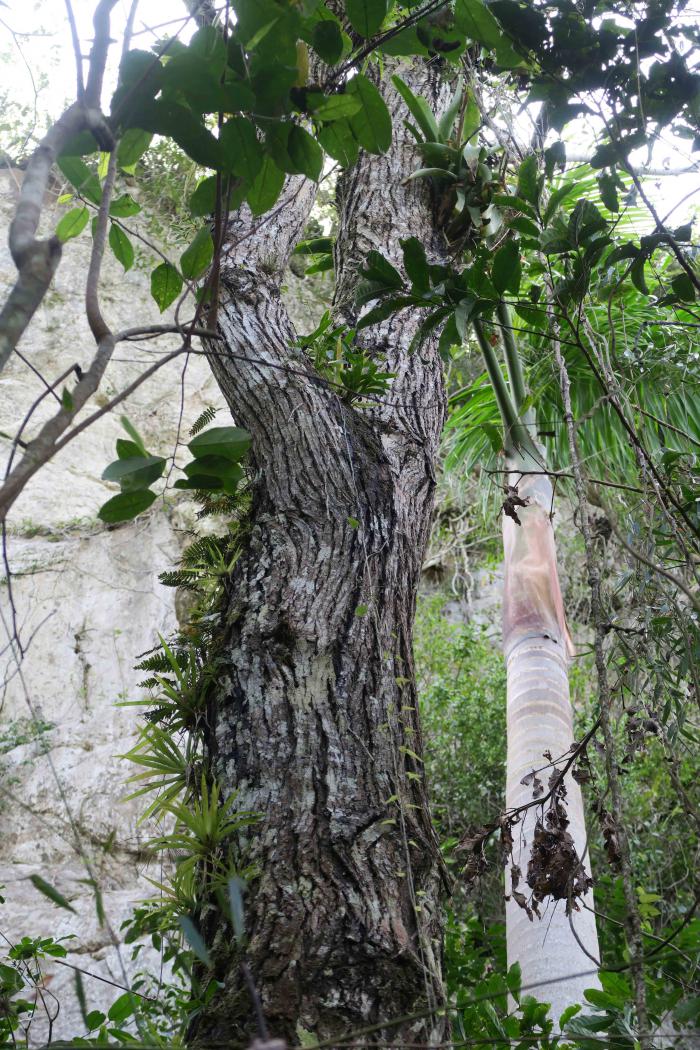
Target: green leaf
(554,156)
(125,506)
(79,175)
(166,285)
(122,1008)
(315,246)
(380,271)
(683,287)
(474,19)
(366,16)
(570,1012)
(121,246)
(94,1019)
(132,146)
(506,270)
(448,118)
(327,41)
(637,275)
(514,980)
(230,442)
(361,610)
(416,264)
(209,43)
(129,449)
(242,150)
(197,257)
(72,224)
(528,182)
(194,939)
(267,187)
(339,142)
(524,226)
(137,472)
(134,435)
(584,221)
(371,126)
(305,153)
(166,117)
(51,892)
(235,897)
(336,107)
(419,110)
(123,207)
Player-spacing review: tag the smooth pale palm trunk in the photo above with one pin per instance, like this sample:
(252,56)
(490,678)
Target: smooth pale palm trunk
(537,649)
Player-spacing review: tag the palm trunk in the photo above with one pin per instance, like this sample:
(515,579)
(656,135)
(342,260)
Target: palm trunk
(553,950)
(315,724)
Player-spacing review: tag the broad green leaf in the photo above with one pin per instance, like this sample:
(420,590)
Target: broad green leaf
(335,107)
(122,1008)
(528,187)
(415,264)
(166,117)
(554,156)
(243,152)
(683,287)
(327,41)
(195,259)
(51,892)
(129,449)
(230,442)
(380,271)
(121,246)
(314,246)
(474,18)
(366,16)
(126,505)
(79,175)
(124,207)
(166,285)
(94,1019)
(132,146)
(514,979)
(209,44)
(267,187)
(339,142)
(524,226)
(203,200)
(72,224)
(637,275)
(506,270)
(372,124)
(305,153)
(137,472)
(419,109)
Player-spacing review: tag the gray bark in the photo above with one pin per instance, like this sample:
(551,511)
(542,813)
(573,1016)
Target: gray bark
(315,724)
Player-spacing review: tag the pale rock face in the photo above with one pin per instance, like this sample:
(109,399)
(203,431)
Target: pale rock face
(88,602)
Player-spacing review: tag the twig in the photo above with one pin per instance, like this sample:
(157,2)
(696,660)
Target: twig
(695,601)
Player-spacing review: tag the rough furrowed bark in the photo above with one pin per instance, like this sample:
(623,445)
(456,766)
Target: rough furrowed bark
(537,648)
(315,724)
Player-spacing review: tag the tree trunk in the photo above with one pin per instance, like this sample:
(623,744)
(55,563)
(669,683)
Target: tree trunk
(537,648)
(315,724)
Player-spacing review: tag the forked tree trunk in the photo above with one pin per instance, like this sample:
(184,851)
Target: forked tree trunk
(315,722)
(537,650)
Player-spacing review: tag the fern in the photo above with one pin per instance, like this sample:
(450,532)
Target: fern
(203,420)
